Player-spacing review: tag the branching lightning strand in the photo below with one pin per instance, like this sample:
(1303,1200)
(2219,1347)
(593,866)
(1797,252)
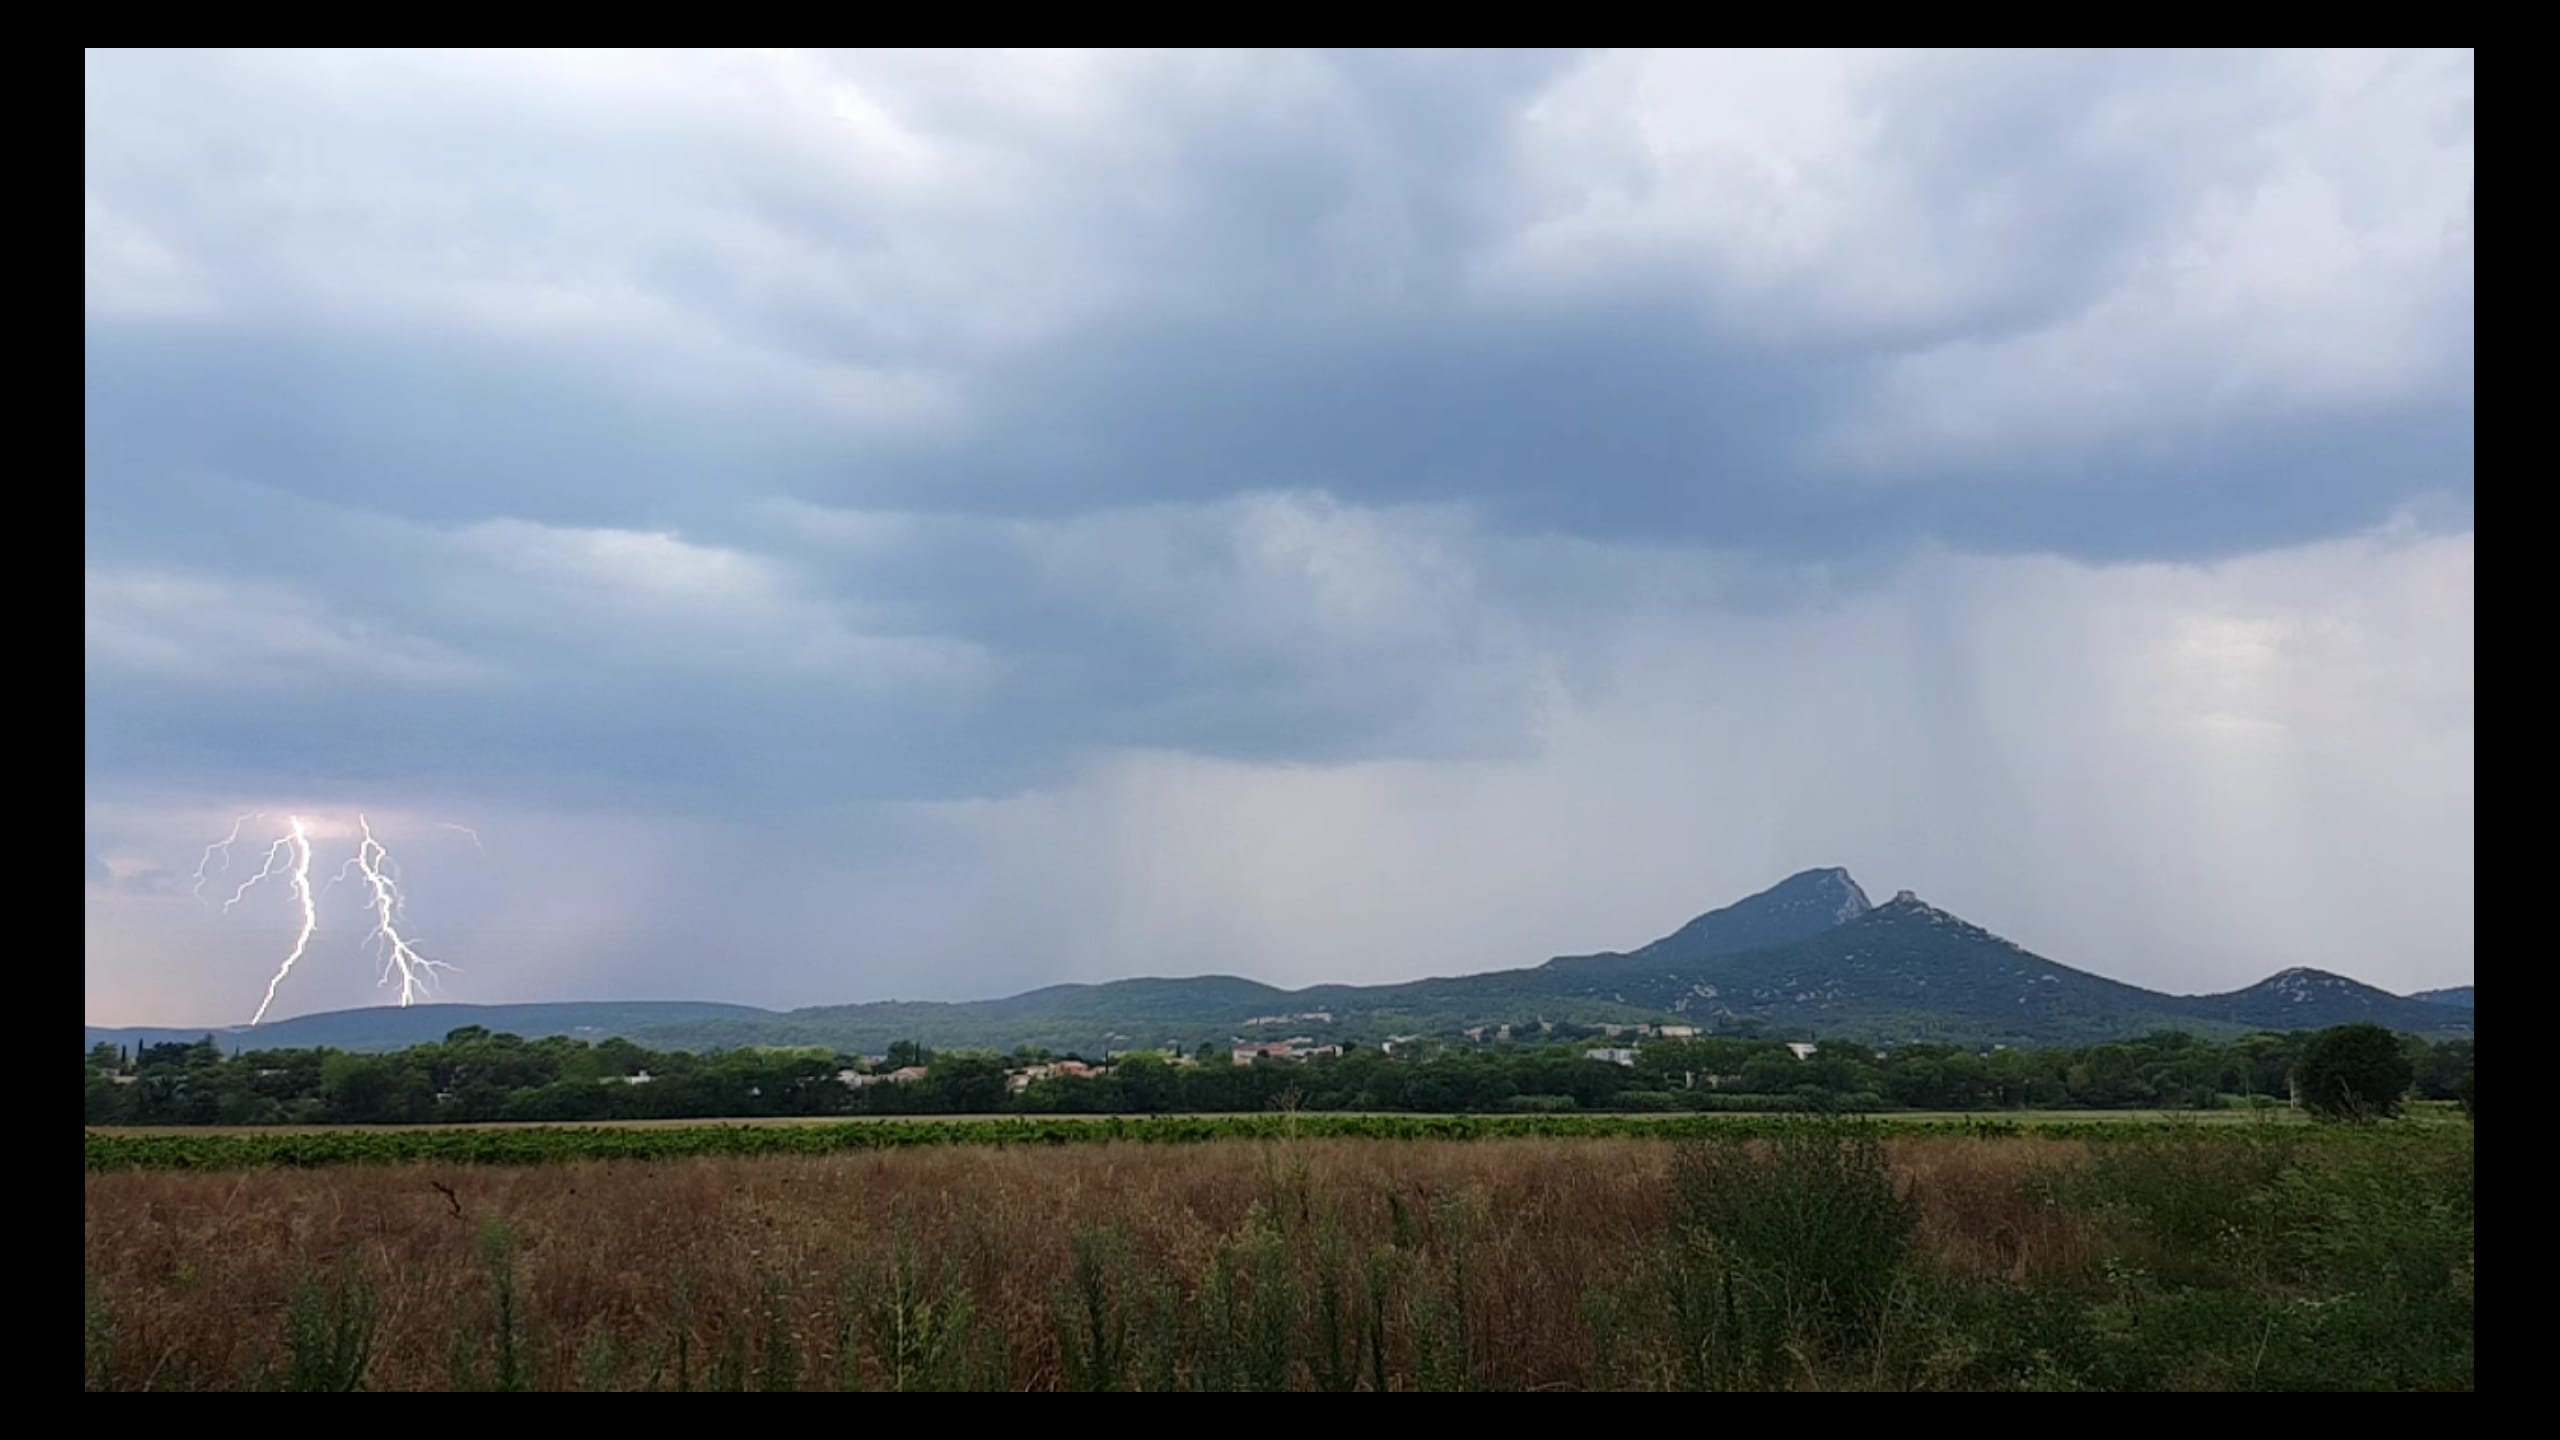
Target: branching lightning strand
(400,955)
(221,847)
(296,846)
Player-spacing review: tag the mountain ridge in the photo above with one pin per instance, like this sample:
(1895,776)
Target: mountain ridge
(1810,953)
(1904,969)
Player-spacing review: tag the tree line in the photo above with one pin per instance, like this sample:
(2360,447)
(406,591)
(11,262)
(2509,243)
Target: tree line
(473,1075)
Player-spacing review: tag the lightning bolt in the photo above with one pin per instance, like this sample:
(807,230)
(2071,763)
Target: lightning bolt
(221,847)
(295,848)
(467,830)
(399,954)
(289,857)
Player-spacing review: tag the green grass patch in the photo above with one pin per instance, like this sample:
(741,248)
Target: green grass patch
(534,1145)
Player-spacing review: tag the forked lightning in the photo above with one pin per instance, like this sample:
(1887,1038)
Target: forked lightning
(288,857)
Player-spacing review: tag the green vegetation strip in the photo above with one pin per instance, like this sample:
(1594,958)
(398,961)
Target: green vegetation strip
(539,1145)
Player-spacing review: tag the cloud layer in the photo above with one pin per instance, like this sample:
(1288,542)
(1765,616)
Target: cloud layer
(843,525)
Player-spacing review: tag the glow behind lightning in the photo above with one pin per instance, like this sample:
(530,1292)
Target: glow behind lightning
(298,843)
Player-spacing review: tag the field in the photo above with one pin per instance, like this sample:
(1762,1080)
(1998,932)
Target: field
(1897,1117)
(1656,1254)
(219,1148)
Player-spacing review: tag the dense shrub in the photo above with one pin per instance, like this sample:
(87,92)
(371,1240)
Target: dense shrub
(2180,1202)
(1796,1237)
(2354,1072)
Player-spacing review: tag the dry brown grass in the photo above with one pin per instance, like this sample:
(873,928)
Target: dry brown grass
(1986,1206)
(196,1269)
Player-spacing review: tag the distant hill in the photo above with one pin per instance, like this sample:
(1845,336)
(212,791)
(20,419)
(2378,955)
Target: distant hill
(1809,954)
(2453,995)
(1144,1013)
(387,1027)
(2315,999)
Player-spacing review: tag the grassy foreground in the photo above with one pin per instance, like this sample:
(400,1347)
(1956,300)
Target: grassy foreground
(197,1148)
(1744,1257)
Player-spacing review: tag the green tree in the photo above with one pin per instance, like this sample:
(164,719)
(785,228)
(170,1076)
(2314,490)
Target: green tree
(2441,1067)
(1772,1072)
(2353,1072)
(966,1084)
(372,1089)
(108,1102)
(1147,1084)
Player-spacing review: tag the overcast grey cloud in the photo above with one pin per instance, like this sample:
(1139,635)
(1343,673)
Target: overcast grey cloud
(850,525)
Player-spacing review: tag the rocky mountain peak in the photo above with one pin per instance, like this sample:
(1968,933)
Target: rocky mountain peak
(1804,903)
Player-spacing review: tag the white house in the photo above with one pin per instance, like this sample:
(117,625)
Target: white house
(1023,1079)
(857,1079)
(1297,1047)
(1614,1057)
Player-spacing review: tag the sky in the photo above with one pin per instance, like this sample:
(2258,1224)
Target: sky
(848,526)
